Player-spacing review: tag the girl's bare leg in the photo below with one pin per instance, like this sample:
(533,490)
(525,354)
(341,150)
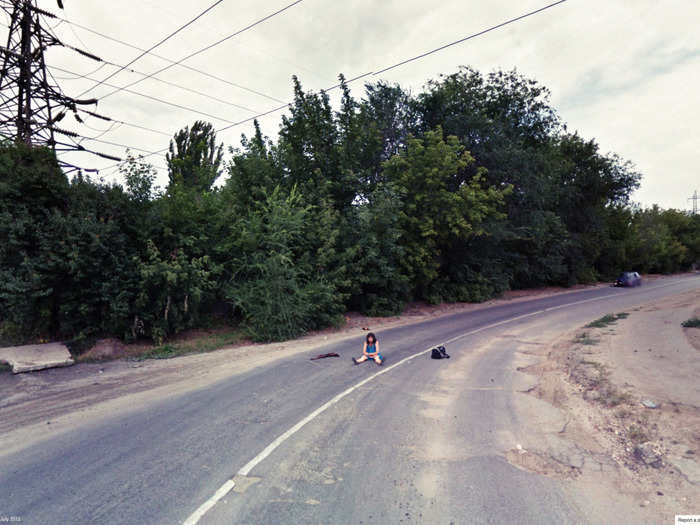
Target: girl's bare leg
(361,359)
(377,360)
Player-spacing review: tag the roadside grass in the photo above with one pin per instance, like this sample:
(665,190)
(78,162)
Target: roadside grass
(607,320)
(636,434)
(198,345)
(693,322)
(612,396)
(623,413)
(585,339)
(595,376)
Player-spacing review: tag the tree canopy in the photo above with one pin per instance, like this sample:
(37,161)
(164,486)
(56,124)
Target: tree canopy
(471,187)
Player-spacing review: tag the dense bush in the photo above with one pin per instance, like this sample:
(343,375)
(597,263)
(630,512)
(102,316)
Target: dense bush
(470,188)
(274,284)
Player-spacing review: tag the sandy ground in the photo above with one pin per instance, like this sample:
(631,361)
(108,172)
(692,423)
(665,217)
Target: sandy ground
(43,404)
(598,378)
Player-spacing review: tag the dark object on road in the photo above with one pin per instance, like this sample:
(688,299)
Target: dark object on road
(693,322)
(628,279)
(439,353)
(321,356)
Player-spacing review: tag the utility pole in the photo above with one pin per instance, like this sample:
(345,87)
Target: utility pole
(31,105)
(695,198)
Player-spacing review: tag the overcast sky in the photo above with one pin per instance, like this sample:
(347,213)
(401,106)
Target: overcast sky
(624,72)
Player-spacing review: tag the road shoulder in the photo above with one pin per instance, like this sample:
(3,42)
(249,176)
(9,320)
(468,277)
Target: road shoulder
(44,404)
(626,387)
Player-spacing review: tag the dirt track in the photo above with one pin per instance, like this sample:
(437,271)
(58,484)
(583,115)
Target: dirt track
(598,378)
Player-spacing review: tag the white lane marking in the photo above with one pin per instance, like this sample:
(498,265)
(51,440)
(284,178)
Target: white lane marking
(204,508)
(245,470)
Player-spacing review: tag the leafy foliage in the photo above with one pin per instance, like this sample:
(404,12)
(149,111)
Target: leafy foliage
(458,193)
(194,159)
(274,285)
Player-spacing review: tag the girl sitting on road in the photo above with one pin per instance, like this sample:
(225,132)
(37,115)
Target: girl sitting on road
(370,350)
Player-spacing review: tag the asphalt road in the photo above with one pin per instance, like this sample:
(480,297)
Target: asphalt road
(412,445)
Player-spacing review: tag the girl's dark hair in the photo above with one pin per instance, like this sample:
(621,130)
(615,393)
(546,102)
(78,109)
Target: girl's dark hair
(374,337)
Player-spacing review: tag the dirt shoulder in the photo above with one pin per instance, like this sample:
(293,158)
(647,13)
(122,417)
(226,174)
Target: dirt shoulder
(627,387)
(42,404)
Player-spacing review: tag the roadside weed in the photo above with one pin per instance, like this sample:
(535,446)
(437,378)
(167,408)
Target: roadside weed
(636,434)
(693,322)
(607,320)
(197,346)
(585,339)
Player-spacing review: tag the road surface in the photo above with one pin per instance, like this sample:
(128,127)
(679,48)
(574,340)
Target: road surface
(419,441)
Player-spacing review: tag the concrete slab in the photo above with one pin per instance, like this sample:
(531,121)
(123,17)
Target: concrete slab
(29,358)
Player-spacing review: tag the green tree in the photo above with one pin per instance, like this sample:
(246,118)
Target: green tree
(194,159)
(34,199)
(172,287)
(443,206)
(253,172)
(654,248)
(310,152)
(380,283)
(590,184)
(275,283)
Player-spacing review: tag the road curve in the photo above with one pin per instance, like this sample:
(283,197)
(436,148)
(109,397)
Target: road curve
(404,447)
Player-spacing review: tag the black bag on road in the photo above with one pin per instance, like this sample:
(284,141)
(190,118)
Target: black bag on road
(439,353)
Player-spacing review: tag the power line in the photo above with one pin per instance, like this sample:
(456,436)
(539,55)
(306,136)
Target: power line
(30,105)
(161,42)
(130,124)
(103,63)
(374,73)
(174,62)
(77,138)
(78,76)
(259,115)
(492,28)
(150,97)
(184,88)
(417,57)
(102,132)
(206,48)
(279,108)
(117,144)
(102,117)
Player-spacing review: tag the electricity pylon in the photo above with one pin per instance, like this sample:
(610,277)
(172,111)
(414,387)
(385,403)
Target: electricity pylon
(30,104)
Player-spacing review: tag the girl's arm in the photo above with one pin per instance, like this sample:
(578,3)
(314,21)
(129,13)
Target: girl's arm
(364,348)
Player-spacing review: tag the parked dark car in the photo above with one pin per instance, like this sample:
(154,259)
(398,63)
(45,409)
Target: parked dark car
(629,279)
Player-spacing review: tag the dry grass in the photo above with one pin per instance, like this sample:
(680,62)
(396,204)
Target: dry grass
(197,345)
(194,342)
(636,434)
(585,339)
(607,320)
